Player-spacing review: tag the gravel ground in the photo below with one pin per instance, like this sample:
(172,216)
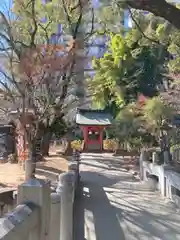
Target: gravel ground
(11,175)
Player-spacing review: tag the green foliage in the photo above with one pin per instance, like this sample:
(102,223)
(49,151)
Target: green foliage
(108,71)
(126,70)
(29,16)
(174,147)
(110,18)
(170,37)
(43,19)
(140,126)
(59,128)
(155,114)
(137,63)
(127,128)
(127,123)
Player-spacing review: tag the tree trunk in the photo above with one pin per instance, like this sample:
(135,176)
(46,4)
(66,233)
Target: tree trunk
(30,163)
(69,138)
(33,153)
(46,143)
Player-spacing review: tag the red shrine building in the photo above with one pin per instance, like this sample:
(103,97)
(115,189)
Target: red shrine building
(92,124)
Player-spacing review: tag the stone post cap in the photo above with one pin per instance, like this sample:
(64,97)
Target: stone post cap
(34,182)
(55,198)
(73,166)
(65,180)
(143,155)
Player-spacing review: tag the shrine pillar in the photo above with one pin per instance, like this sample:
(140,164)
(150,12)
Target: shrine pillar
(93,137)
(101,138)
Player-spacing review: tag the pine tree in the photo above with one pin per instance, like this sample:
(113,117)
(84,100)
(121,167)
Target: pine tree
(130,67)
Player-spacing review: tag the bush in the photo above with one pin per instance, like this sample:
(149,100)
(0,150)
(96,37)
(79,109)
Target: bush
(77,144)
(110,144)
(174,147)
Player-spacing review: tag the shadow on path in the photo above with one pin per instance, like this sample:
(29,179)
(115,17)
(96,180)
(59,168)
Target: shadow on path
(95,217)
(106,210)
(113,205)
(106,223)
(79,215)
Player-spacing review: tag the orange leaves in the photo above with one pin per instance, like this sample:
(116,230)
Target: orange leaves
(46,59)
(50,48)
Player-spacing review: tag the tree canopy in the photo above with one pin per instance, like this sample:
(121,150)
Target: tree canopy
(39,46)
(128,69)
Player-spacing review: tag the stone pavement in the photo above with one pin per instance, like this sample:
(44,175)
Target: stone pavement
(115,206)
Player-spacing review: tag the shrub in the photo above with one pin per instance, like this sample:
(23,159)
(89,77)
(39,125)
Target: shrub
(174,147)
(77,144)
(110,144)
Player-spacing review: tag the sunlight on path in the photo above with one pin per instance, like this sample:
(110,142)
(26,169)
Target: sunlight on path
(115,206)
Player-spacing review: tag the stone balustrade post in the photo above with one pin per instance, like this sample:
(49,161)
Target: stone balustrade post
(55,216)
(65,188)
(175,155)
(38,192)
(142,158)
(155,157)
(166,157)
(75,155)
(74,167)
(76,159)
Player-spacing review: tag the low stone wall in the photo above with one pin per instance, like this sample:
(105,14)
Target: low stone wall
(41,214)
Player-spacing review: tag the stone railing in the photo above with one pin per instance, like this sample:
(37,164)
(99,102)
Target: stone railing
(176,154)
(165,176)
(41,214)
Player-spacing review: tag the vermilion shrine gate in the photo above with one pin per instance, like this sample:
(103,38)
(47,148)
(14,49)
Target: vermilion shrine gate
(92,124)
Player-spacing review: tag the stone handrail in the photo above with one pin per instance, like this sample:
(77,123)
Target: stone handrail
(18,224)
(40,214)
(164,177)
(176,155)
(7,200)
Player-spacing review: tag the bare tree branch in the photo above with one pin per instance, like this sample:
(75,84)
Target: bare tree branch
(159,8)
(139,28)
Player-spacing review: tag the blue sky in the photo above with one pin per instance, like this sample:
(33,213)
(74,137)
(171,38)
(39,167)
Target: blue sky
(5,6)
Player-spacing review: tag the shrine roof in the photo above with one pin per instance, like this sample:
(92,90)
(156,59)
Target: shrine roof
(93,117)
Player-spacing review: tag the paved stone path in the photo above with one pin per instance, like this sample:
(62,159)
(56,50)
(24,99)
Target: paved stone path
(115,206)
